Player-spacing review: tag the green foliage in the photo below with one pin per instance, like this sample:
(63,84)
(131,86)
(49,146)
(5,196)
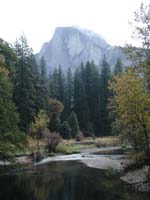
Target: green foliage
(87,97)
(55,107)
(65,130)
(72,148)
(74,125)
(85,92)
(56,82)
(10,137)
(41,85)
(69,93)
(118,67)
(54,123)
(104,95)
(9,56)
(24,88)
(80,99)
(40,124)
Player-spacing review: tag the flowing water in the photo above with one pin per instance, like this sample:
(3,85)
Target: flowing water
(63,180)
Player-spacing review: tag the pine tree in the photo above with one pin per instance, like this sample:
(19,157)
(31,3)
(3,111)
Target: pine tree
(57,85)
(69,93)
(61,85)
(80,99)
(118,67)
(104,95)
(24,89)
(54,123)
(41,84)
(92,85)
(74,124)
(65,130)
(53,84)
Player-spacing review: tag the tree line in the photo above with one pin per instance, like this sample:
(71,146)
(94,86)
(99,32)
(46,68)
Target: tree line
(73,101)
(85,91)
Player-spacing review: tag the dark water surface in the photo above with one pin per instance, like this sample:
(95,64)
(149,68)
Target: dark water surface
(63,181)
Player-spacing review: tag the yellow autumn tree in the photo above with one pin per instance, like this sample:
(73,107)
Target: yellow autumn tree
(130,105)
(39,125)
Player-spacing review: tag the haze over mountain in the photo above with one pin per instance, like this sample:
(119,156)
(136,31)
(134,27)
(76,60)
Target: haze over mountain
(70,46)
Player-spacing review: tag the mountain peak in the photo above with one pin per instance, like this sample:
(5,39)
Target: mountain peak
(70,46)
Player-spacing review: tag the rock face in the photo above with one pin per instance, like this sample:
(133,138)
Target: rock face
(72,45)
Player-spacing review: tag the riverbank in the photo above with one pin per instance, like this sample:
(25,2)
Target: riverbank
(138,179)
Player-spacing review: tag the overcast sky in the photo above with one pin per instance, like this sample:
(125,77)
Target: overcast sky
(39,18)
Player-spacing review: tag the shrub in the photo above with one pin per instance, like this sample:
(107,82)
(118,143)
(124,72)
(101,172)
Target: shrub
(79,136)
(61,148)
(52,140)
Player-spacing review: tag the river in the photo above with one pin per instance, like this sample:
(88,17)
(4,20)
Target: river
(63,180)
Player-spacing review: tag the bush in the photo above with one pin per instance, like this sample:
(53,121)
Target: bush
(52,140)
(79,136)
(61,148)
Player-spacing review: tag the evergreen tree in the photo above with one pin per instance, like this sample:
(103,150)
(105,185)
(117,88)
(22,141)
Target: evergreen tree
(87,97)
(54,123)
(61,85)
(118,67)
(104,95)
(69,92)
(53,84)
(80,99)
(41,84)
(24,89)
(74,124)
(57,85)
(92,85)
(65,130)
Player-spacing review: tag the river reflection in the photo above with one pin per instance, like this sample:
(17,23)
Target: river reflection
(64,181)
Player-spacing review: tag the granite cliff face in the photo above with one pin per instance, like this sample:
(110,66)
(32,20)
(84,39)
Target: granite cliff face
(72,45)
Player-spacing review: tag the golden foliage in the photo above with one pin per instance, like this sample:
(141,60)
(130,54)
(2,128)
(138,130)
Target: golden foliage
(131,104)
(40,123)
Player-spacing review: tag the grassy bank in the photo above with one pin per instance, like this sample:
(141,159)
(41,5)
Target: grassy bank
(73,148)
(70,146)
